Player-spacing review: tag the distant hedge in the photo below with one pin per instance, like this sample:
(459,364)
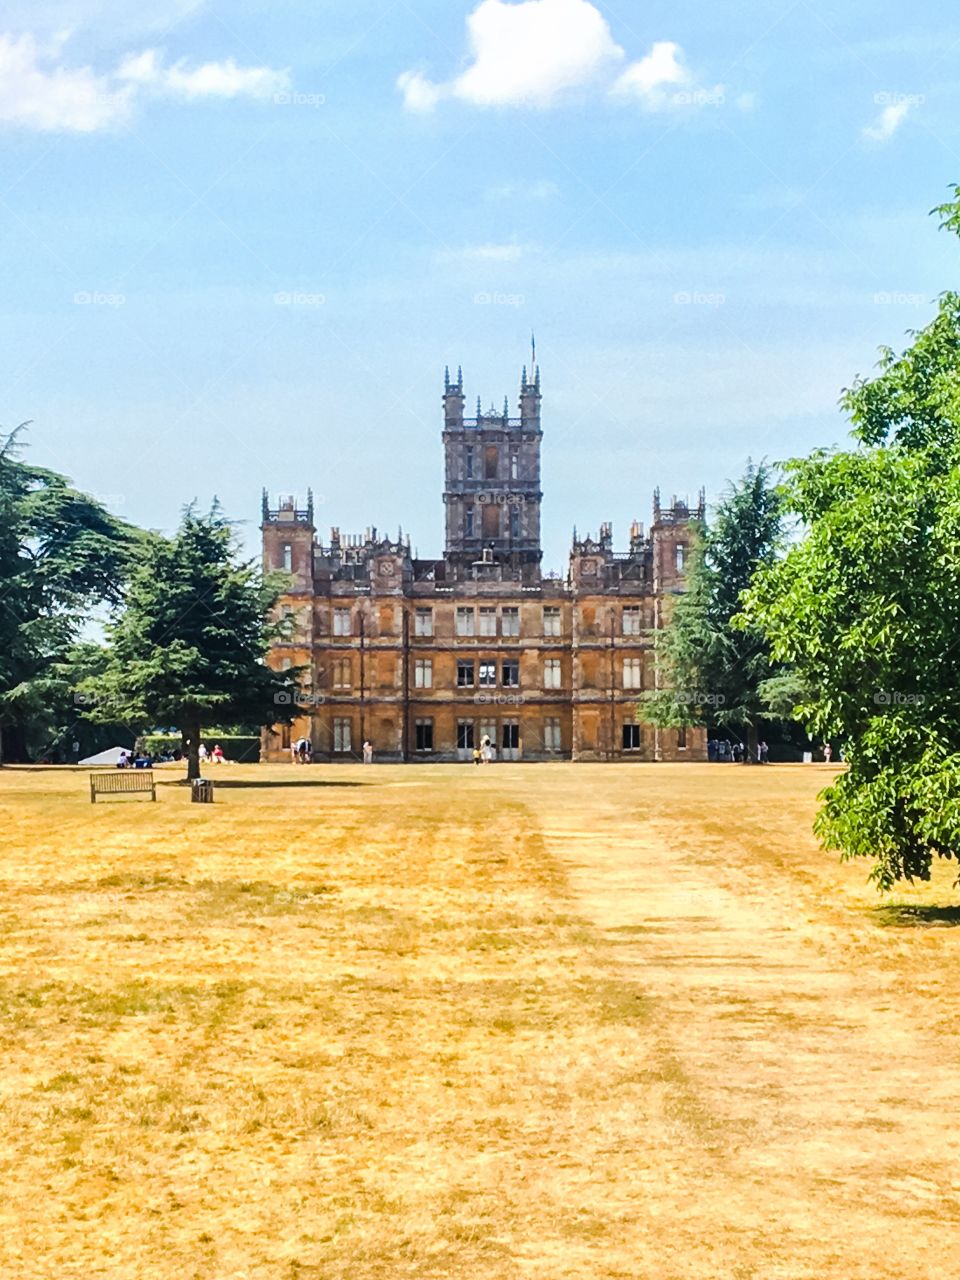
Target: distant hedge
(241,750)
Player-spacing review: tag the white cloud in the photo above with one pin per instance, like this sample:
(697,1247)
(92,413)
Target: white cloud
(526,54)
(38,91)
(887,122)
(535,52)
(48,97)
(418,92)
(648,78)
(662,79)
(210,80)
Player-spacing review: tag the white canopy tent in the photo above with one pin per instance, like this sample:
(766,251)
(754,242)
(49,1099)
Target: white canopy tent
(110,756)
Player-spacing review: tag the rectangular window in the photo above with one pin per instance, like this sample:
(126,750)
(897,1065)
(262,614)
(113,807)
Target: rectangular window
(490,462)
(681,739)
(423,622)
(488,675)
(681,556)
(424,732)
(342,737)
(514,464)
(632,620)
(285,736)
(288,558)
(465,673)
(488,733)
(342,622)
(551,673)
(465,735)
(631,737)
(510,735)
(511,675)
(510,622)
(468,462)
(491,520)
(468,522)
(342,673)
(423,673)
(633,673)
(488,622)
(551,621)
(514,522)
(466,622)
(551,735)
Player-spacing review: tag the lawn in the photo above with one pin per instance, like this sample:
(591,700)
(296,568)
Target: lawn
(519,1021)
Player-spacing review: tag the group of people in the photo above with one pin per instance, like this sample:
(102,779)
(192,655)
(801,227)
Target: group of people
(484,753)
(301,751)
(736,752)
(131,760)
(216,755)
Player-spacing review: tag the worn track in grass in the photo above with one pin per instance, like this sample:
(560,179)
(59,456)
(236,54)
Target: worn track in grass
(518,1021)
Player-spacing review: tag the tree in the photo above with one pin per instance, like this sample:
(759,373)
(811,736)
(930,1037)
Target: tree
(189,648)
(867,606)
(61,554)
(713,670)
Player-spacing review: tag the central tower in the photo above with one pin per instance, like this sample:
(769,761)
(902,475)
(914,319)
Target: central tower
(492,492)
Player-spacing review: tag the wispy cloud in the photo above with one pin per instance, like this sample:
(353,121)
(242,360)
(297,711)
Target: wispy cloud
(37,94)
(483,253)
(210,80)
(887,122)
(39,90)
(542,190)
(537,52)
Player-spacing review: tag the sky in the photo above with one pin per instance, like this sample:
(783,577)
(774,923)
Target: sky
(242,240)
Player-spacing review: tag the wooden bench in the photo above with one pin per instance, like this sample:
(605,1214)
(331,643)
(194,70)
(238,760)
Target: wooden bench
(115,782)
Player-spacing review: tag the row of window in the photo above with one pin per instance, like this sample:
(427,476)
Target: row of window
(470,734)
(488,621)
(484,621)
(483,675)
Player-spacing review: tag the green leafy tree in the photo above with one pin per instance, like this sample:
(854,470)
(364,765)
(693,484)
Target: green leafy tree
(713,670)
(866,607)
(190,647)
(61,554)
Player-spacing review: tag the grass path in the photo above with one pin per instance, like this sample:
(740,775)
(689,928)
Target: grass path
(513,1022)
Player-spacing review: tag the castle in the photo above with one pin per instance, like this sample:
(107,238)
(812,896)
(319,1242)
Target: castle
(427,658)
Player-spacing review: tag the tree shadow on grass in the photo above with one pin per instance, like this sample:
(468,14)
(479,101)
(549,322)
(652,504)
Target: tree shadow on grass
(241,784)
(899,915)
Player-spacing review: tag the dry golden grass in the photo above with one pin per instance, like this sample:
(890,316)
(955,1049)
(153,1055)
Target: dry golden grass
(524,1021)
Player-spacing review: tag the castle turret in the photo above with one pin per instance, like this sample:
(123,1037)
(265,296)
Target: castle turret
(492,494)
(453,400)
(288,538)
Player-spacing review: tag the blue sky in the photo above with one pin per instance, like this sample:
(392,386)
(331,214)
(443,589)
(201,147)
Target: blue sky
(241,241)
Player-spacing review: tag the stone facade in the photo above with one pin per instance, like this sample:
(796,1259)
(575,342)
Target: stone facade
(425,658)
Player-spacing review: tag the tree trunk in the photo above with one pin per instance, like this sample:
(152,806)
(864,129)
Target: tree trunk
(753,744)
(13,745)
(190,745)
